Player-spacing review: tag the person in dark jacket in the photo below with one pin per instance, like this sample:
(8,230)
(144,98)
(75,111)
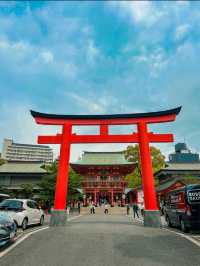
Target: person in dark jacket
(127,208)
(135,210)
(79,207)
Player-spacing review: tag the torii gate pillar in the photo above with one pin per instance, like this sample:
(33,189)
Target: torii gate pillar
(151,212)
(142,136)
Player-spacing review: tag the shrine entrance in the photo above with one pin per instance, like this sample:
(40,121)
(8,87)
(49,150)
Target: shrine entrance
(103,177)
(142,136)
(104,197)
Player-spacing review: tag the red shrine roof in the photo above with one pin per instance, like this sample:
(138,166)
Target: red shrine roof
(103,158)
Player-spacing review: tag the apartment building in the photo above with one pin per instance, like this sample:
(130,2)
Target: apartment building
(26,152)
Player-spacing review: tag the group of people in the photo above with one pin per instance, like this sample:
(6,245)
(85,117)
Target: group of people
(135,209)
(92,208)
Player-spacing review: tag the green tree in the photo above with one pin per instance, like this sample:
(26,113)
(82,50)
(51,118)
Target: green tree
(27,190)
(2,161)
(74,183)
(132,154)
(48,183)
(190,179)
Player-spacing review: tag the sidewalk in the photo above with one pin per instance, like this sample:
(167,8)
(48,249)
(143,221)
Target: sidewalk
(141,220)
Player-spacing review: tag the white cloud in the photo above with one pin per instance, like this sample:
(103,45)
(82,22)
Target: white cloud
(181,31)
(92,51)
(138,11)
(69,70)
(156,60)
(18,124)
(16,47)
(88,104)
(47,56)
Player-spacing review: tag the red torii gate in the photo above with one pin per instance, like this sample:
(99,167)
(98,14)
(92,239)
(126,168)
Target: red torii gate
(143,137)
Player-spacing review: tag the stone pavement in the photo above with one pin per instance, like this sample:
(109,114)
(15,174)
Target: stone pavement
(103,240)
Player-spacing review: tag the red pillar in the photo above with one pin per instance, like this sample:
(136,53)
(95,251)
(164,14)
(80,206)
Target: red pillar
(146,167)
(63,169)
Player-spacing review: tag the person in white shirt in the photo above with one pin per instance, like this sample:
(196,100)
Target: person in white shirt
(106,208)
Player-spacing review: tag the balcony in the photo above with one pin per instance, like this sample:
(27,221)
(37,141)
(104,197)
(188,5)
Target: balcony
(104,184)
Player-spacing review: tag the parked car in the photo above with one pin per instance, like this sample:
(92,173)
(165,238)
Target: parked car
(182,208)
(3,197)
(7,229)
(23,211)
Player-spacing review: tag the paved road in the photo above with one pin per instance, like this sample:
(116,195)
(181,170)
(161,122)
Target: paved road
(103,241)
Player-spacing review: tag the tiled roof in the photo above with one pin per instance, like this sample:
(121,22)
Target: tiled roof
(168,184)
(103,158)
(22,167)
(182,166)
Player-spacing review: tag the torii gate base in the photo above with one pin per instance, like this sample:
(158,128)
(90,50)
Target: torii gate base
(58,218)
(143,137)
(152,218)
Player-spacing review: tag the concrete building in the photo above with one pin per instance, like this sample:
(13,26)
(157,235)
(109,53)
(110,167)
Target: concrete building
(26,152)
(15,174)
(183,155)
(182,168)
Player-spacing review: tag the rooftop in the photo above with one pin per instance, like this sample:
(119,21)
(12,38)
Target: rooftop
(22,167)
(103,158)
(174,111)
(182,167)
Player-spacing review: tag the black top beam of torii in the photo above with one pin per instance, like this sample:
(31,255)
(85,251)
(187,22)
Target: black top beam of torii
(174,111)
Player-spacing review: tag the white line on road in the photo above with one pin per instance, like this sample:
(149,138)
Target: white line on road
(75,217)
(197,243)
(191,239)
(22,238)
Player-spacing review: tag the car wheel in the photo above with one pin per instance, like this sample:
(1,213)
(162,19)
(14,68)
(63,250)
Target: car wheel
(24,224)
(42,220)
(169,224)
(183,226)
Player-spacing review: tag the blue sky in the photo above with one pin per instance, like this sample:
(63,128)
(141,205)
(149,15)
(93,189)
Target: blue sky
(99,57)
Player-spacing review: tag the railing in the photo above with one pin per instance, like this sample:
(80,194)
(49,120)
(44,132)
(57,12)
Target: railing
(104,183)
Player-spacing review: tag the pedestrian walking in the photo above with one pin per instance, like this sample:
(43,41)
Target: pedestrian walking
(127,208)
(135,210)
(106,208)
(92,208)
(142,209)
(68,209)
(79,207)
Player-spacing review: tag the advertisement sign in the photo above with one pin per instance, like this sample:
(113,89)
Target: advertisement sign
(194,196)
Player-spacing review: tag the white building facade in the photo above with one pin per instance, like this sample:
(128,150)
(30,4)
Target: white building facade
(26,152)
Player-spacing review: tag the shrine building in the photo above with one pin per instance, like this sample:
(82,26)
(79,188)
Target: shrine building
(103,176)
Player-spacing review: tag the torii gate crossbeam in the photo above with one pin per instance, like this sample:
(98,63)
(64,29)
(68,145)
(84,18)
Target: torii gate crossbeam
(142,137)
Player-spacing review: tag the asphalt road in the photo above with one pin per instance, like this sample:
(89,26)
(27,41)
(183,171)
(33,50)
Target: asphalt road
(103,241)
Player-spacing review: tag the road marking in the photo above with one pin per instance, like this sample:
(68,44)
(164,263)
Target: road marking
(197,243)
(190,238)
(75,217)
(22,238)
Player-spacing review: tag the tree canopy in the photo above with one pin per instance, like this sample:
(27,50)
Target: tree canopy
(48,183)
(2,161)
(132,155)
(27,190)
